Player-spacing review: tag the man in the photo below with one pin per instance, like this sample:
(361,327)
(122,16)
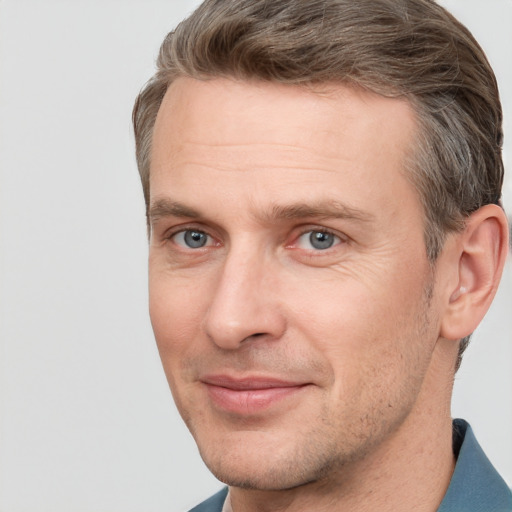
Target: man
(323,182)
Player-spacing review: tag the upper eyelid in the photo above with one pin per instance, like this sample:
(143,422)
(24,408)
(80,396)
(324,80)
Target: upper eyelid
(321,229)
(174,230)
(171,233)
(165,223)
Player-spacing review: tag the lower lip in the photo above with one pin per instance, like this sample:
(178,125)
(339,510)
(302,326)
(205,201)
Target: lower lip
(249,401)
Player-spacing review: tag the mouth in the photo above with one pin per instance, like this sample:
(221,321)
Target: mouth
(249,395)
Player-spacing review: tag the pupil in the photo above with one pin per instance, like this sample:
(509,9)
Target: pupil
(320,240)
(195,239)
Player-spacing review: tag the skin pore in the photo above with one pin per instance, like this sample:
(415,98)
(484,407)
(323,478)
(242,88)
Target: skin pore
(299,322)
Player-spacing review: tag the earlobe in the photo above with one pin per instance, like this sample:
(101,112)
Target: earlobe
(480,258)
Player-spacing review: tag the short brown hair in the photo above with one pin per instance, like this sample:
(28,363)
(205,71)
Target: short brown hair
(397,48)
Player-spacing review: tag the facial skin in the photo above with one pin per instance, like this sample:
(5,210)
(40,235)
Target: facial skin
(295,311)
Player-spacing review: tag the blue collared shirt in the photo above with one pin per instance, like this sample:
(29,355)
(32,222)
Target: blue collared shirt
(475,485)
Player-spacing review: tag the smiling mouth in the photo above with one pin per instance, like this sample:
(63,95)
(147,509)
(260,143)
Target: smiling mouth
(249,395)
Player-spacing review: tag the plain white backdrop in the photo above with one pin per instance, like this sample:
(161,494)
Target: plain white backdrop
(87,423)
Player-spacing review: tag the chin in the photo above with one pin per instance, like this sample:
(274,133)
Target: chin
(269,465)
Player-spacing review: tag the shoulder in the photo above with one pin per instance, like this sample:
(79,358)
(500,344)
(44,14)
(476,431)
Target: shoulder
(213,503)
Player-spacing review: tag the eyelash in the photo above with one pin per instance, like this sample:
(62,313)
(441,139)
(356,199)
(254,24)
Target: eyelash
(339,239)
(183,230)
(310,230)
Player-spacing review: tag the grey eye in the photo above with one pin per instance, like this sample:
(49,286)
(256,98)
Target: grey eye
(319,240)
(191,239)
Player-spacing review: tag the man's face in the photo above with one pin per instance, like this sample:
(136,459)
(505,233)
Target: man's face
(290,293)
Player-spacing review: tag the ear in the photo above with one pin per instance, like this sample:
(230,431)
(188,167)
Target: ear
(478,260)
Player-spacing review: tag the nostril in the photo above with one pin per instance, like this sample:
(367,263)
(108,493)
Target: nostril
(253,336)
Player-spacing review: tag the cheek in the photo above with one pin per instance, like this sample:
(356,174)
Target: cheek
(175,318)
(365,332)
(175,312)
(345,316)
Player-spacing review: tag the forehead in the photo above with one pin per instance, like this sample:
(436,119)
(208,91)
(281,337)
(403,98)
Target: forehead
(220,111)
(281,142)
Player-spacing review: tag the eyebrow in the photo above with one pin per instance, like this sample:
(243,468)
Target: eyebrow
(162,208)
(166,207)
(320,210)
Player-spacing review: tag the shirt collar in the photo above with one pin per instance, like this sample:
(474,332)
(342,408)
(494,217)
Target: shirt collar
(475,485)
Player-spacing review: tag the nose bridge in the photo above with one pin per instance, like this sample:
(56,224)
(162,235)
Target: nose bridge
(242,304)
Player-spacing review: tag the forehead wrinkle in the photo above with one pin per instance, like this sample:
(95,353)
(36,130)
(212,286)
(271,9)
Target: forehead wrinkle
(297,146)
(253,155)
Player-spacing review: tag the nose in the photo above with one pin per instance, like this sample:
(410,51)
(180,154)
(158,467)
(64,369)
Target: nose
(245,303)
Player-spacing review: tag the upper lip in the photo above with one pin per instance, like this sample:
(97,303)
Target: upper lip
(249,382)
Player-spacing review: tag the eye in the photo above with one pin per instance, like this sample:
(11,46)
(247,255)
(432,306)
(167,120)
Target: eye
(318,240)
(192,239)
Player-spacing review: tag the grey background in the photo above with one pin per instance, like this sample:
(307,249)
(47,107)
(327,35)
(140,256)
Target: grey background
(86,419)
